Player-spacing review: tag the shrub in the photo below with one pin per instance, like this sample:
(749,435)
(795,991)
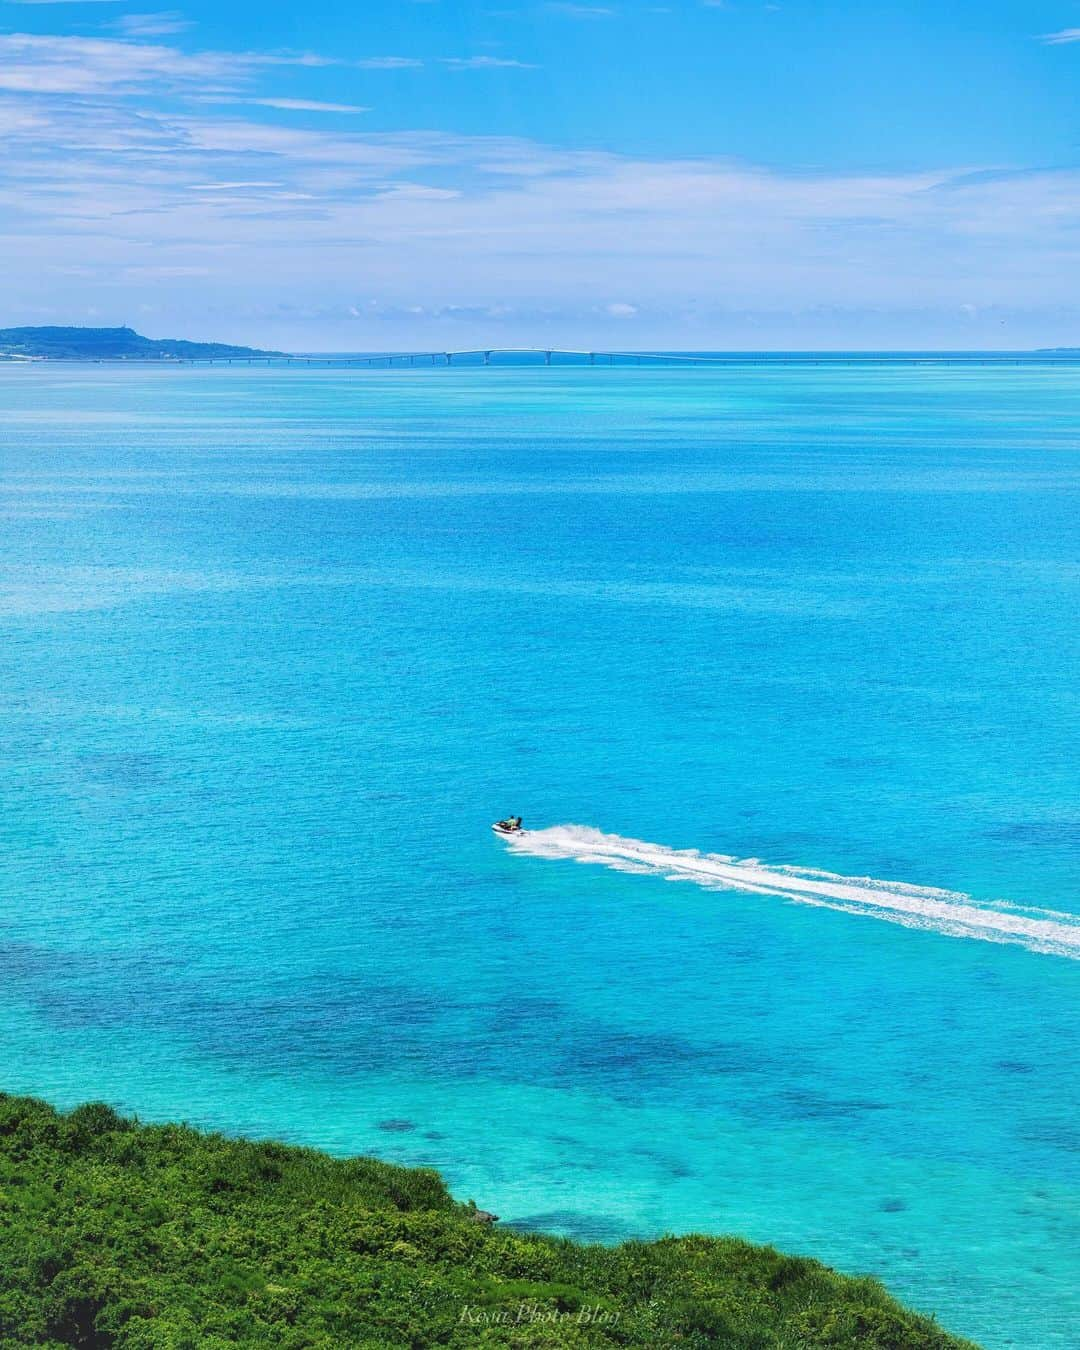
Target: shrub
(161,1238)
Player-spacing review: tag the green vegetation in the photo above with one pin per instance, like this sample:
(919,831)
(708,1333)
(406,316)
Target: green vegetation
(110,344)
(117,1234)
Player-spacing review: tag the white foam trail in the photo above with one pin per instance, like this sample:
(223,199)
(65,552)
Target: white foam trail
(949,912)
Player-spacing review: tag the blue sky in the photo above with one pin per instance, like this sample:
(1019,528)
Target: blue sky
(376,175)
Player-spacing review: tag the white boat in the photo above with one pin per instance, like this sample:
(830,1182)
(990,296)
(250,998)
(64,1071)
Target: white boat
(511,825)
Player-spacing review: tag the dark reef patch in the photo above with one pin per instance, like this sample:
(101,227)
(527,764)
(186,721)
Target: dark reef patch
(804,1104)
(1042,833)
(1013,1066)
(1060,1134)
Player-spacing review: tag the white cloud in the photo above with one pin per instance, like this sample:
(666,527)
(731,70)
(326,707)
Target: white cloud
(263,213)
(1065,35)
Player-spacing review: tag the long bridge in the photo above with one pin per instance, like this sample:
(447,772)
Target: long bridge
(548,356)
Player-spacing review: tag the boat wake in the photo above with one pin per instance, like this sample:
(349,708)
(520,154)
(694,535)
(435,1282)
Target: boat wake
(949,912)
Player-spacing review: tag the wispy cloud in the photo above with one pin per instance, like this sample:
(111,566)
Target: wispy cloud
(1063,36)
(306,105)
(161,24)
(575,11)
(233,187)
(45,64)
(75,65)
(389,63)
(485,63)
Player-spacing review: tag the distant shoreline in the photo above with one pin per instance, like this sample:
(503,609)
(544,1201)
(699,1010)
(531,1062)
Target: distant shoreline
(540,358)
(123,346)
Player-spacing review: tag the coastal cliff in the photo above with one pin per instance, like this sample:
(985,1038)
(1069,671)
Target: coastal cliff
(115,1234)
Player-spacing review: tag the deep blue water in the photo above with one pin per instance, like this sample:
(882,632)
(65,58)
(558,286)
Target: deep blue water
(277,645)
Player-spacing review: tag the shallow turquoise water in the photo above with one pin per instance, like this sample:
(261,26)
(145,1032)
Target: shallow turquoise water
(276,646)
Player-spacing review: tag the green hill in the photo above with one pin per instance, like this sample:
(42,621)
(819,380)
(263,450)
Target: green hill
(110,344)
(147,1237)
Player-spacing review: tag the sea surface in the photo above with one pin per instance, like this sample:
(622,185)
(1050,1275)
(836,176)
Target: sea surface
(778,662)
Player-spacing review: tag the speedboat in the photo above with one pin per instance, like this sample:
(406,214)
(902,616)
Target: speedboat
(511,825)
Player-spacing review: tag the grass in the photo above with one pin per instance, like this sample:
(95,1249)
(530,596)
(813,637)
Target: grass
(115,1234)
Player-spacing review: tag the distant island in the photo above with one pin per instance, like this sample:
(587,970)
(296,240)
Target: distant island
(109,344)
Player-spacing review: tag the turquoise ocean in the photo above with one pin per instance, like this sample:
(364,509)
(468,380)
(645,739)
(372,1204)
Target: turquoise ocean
(779,663)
